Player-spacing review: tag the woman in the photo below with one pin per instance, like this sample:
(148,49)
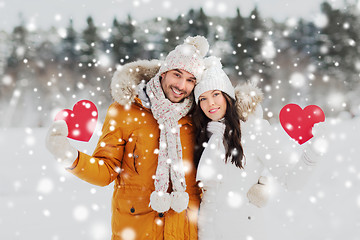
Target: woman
(235,145)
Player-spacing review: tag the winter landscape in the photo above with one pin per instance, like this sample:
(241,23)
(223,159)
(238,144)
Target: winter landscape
(294,60)
(40,200)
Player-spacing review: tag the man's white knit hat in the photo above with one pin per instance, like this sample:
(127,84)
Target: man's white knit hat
(214,78)
(188,56)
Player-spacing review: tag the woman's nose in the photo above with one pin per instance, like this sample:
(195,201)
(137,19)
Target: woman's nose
(211,102)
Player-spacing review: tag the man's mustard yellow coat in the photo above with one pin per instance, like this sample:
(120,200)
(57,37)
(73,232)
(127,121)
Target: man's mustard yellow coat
(127,154)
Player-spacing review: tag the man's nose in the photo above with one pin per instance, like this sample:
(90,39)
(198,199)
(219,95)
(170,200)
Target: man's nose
(181,83)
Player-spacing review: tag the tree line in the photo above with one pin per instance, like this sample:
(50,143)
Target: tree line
(66,61)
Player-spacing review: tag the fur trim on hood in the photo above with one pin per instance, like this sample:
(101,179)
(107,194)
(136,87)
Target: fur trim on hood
(126,79)
(129,76)
(248,97)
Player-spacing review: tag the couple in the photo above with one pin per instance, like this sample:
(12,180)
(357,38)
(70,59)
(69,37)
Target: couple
(176,131)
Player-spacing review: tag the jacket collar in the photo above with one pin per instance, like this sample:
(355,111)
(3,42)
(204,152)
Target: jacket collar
(126,79)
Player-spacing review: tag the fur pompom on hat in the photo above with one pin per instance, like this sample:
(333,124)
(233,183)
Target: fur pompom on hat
(214,78)
(188,56)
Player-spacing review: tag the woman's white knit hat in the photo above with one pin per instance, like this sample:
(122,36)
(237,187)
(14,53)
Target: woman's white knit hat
(214,78)
(188,56)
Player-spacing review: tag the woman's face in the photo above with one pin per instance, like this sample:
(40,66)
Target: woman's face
(213,104)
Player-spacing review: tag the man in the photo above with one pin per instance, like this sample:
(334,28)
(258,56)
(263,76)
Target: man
(146,146)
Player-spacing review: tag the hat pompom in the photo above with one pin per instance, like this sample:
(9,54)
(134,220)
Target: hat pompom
(212,61)
(200,43)
(179,201)
(160,201)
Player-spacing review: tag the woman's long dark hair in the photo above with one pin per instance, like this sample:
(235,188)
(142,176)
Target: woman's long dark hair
(232,134)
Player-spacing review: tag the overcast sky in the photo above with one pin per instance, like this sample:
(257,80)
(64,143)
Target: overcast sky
(45,13)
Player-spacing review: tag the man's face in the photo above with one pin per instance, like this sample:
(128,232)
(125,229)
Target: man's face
(177,84)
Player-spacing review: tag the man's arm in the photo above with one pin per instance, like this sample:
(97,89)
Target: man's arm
(105,163)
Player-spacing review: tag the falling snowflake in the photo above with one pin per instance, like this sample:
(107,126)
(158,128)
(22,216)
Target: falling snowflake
(80,213)
(45,186)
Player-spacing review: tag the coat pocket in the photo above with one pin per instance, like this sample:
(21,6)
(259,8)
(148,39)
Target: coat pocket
(134,206)
(133,216)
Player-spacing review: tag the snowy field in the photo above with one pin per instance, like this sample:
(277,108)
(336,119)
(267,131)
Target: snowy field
(39,200)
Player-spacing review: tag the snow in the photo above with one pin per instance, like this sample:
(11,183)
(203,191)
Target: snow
(297,80)
(40,200)
(321,20)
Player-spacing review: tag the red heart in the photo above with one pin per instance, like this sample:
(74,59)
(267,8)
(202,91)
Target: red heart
(81,121)
(298,122)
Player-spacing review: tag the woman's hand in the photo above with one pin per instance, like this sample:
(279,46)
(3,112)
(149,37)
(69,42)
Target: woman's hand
(260,193)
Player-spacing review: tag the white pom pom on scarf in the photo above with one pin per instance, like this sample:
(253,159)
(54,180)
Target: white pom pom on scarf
(160,201)
(179,201)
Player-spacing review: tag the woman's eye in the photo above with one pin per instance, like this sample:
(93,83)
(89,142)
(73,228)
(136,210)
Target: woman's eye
(216,94)
(201,99)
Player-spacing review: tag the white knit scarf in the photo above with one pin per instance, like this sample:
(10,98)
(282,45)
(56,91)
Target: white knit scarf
(170,162)
(211,168)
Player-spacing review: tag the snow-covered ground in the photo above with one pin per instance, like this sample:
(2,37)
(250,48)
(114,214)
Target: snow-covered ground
(39,200)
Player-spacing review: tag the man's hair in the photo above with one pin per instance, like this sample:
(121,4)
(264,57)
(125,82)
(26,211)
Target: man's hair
(232,135)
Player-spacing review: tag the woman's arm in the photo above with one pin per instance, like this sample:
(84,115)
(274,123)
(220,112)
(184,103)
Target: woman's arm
(290,163)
